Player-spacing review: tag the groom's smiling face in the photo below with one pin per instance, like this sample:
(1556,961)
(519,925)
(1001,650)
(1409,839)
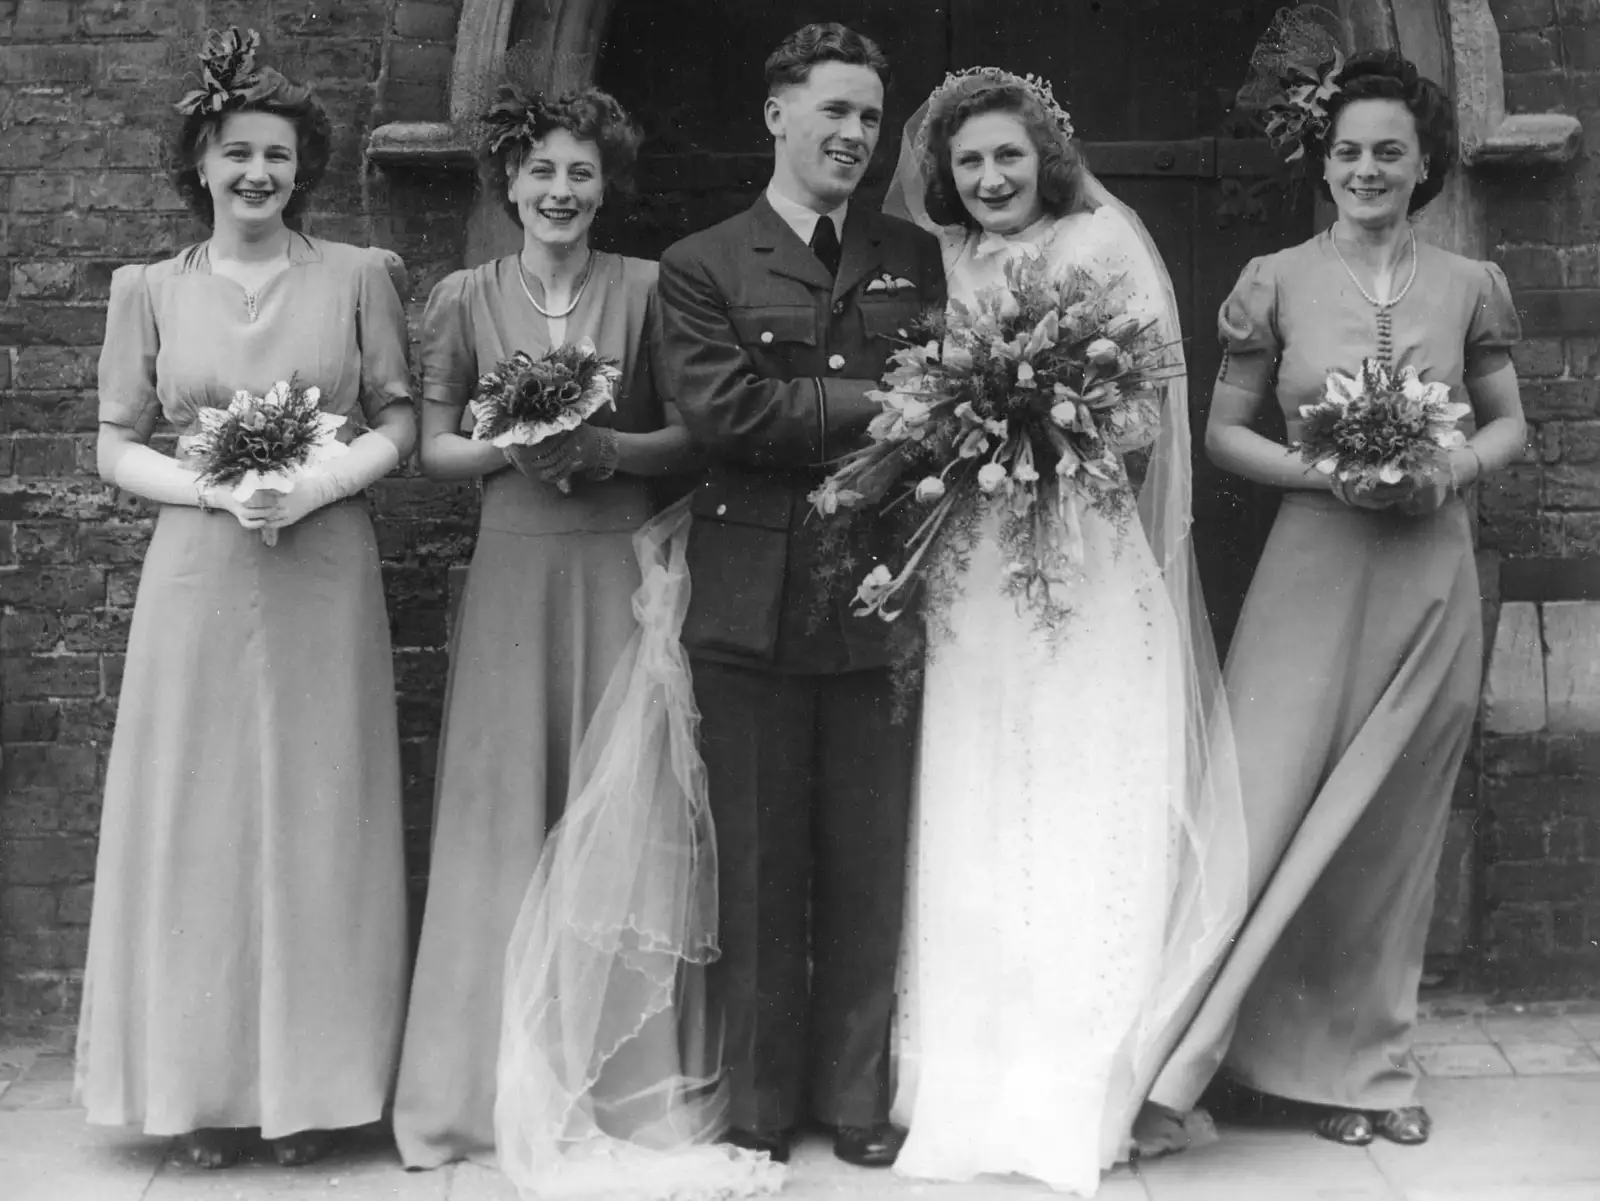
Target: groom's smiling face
(826,130)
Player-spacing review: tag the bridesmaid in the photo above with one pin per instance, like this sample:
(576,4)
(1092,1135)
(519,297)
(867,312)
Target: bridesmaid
(1354,675)
(547,608)
(247,948)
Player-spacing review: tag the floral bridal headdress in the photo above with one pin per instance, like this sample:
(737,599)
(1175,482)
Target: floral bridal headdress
(958,85)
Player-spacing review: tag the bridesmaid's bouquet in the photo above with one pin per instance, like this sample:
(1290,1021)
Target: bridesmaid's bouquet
(525,401)
(265,443)
(1022,400)
(1379,426)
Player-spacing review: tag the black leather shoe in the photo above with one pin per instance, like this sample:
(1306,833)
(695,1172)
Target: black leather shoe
(869,1146)
(775,1145)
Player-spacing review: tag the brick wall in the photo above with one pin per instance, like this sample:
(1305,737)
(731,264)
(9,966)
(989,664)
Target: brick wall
(1540,756)
(85,92)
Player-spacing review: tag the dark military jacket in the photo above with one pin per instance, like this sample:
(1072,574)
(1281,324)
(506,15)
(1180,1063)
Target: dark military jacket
(769,362)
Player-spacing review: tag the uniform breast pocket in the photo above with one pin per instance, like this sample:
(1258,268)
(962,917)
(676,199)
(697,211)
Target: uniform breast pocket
(889,321)
(776,335)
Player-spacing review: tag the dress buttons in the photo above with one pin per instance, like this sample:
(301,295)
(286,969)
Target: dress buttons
(835,362)
(766,337)
(722,510)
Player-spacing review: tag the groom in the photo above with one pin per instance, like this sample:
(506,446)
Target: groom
(773,326)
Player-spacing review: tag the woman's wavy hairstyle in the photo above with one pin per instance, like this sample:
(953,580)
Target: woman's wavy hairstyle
(1386,75)
(521,117)
(1060,165)
(279,96)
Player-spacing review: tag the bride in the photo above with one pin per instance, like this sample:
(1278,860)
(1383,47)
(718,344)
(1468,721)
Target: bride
(1077,854)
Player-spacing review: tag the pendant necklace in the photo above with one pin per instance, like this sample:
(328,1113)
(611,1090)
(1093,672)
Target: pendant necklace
(1385,307)
(522,274)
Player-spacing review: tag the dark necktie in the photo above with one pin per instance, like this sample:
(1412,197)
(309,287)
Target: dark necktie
(825,244)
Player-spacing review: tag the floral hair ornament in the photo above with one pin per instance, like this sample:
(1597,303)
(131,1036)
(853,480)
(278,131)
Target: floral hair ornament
(960,84)
(518,115)
(229,76)
(1294,72)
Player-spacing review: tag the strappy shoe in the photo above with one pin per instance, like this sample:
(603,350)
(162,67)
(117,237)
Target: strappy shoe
(1409,1126)
(302,1147)
(1350,1127)
(212,1148)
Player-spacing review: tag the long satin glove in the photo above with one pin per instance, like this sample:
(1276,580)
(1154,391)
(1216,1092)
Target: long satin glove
(147,472)
(369,458)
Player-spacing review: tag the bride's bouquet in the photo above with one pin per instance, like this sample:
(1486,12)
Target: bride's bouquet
(525,401)
(1021,400)
(1379,426)
(265,443)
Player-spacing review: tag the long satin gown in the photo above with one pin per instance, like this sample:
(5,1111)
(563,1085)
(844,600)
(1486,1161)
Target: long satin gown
(247,948)
(546,613)
(1353,682)
(1040,876)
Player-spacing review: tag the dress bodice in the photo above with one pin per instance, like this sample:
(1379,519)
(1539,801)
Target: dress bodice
(1300,307)
(478,317)
(180,338)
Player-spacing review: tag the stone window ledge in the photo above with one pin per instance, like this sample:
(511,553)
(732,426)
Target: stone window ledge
(1527,140)
(435,145)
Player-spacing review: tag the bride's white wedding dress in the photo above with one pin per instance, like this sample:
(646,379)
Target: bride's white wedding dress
(1046,834)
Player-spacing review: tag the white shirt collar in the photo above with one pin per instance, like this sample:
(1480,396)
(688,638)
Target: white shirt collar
(801,219)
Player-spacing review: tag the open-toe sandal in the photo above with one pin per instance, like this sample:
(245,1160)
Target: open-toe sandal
(1348,1126)
(302,1147)
(1409,1126)
(212,1148)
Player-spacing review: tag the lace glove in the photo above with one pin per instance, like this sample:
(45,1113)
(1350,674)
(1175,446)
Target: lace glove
(369,458)
(589,451)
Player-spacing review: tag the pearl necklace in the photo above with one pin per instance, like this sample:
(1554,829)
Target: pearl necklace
(522,274)
(1385,307)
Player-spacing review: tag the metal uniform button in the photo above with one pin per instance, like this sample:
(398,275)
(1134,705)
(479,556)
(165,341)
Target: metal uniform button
(766,336)
(722,510)
(836,362)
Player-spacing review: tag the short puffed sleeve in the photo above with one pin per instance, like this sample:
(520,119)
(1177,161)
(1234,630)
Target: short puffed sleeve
(1494,328)
(1248,320)
(381,327)
(128,355)
(449,345)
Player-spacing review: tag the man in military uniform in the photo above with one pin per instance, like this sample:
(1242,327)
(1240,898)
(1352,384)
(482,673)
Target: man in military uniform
(773,327)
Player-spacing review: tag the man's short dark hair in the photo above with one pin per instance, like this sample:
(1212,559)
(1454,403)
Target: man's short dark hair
(828,42)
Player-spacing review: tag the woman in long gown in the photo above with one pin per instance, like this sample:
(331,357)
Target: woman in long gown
(1355,669)
(1065,884)
(247,951)
(547,609)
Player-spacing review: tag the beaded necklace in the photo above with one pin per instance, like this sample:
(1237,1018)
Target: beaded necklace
(1385,307)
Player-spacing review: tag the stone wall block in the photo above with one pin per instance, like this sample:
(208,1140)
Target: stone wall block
(1572,665)
(1514,692)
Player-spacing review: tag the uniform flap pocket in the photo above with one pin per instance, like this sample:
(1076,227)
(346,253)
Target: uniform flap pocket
(744,500)
(769,325)
(890,319)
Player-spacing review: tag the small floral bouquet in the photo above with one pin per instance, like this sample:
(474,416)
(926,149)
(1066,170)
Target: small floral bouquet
(1023,400)
(264,443)
(1380,425)
(525,401)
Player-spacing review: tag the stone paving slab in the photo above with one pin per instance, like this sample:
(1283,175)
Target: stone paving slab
(1517,1118)
(51,1155)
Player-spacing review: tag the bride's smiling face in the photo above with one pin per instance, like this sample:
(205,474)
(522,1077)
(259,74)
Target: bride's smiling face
(996,170)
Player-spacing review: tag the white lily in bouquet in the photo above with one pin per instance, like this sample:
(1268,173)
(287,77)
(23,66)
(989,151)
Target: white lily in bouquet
(265,443)
(1380,425)
(1021,400)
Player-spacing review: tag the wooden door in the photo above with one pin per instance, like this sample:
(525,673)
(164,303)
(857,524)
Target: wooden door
(1149,84)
